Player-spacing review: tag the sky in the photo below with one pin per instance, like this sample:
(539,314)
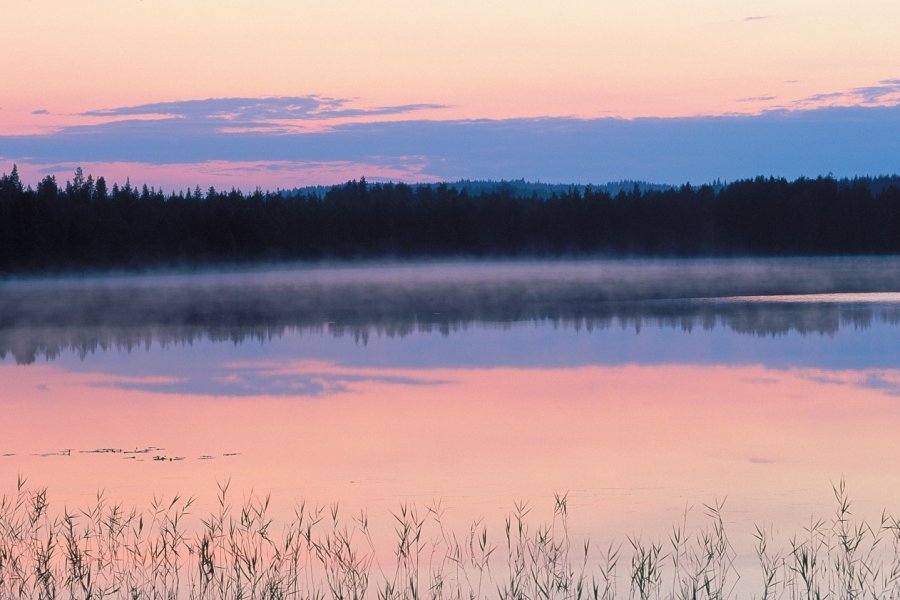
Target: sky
(285,93)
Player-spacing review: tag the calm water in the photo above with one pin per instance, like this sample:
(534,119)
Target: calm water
(638,387)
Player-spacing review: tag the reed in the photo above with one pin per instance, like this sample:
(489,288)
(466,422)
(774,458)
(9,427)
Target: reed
(239,551)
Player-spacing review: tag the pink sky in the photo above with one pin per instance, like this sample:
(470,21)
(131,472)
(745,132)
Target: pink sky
(464,59)
(485,60)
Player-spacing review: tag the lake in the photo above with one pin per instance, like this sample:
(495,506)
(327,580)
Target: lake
(641,391)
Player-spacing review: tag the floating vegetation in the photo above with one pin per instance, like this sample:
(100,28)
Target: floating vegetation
(162,458)
(108,551)
(146,450)
(64,452)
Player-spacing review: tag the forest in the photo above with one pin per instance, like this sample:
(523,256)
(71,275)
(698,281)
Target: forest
(86,225)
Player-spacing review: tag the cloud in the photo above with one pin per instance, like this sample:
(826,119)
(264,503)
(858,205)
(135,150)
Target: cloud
(854,140)
(757,18)
(251,113)
(247,175)
(817,98)
(756,98)
(40,111)
(886,91)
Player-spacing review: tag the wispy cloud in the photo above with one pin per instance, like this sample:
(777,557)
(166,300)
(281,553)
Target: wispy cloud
(40,111)
(254,113)
(757,18)
(886,91)
(757,99)
(818,98)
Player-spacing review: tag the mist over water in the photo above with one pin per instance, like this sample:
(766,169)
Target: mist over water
(39,318)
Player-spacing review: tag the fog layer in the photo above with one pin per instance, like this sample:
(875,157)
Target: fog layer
(40,317)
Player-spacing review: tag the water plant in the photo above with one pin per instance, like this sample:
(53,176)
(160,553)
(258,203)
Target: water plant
(240,551)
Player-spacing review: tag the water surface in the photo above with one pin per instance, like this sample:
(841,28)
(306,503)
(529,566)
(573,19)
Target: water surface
(637,387)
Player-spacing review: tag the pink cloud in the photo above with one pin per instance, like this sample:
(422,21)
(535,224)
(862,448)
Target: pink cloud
(245,175)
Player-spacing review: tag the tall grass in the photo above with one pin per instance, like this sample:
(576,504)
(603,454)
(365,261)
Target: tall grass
(239,552)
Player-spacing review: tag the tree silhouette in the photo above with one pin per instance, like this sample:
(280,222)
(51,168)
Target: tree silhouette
(86,225)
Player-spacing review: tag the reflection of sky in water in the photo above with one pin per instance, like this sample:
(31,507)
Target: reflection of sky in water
(636,421)
(254,379)
(206,367)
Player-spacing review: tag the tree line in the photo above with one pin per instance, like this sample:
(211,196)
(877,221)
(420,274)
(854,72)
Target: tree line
(85,224)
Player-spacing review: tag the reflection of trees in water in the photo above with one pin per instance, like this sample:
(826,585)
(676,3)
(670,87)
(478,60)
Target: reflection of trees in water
(229,322)
(41,318)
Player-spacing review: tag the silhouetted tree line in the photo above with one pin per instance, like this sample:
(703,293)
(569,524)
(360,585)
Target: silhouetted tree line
(86,224)
(516,187)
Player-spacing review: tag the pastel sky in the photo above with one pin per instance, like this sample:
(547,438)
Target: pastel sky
(281,93)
